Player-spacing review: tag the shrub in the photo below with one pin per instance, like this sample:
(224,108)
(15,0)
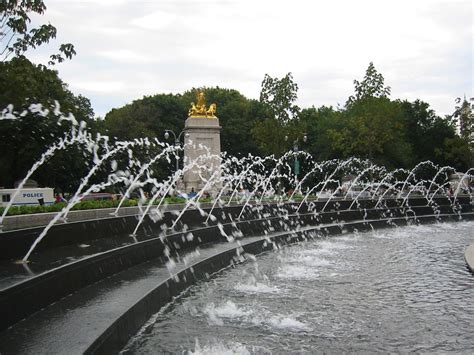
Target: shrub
(82,205)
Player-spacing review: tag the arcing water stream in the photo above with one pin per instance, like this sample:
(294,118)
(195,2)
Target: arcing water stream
(397,290)
(258,179)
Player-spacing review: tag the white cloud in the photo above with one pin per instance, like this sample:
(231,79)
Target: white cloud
(126,56)
(154,21)
(132,48)
(99,86)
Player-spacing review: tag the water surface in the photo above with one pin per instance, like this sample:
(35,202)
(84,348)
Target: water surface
(393,290)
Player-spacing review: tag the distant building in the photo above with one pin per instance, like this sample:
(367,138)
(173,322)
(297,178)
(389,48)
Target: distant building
(466,119)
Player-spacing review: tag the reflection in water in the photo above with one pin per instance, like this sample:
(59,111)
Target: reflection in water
(395,290)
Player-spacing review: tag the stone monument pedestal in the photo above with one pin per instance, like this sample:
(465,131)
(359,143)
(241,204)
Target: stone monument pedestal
(202,151)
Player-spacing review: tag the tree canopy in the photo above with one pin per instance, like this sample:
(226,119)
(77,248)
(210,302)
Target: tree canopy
(371,86)
(277,126)
(279,96)
(152,115)
(22,141)
(371,125)
(17,36)
(393,133)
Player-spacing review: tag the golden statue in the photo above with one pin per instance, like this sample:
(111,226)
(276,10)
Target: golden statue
(201,100)
(200,110)
(212,110)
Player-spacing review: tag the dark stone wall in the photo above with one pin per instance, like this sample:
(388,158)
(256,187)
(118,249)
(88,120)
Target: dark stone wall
(33,294)
(15,244)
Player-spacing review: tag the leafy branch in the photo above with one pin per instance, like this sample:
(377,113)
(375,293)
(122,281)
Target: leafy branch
(16,36)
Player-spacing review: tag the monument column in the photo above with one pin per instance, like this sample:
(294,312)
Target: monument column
(202,148)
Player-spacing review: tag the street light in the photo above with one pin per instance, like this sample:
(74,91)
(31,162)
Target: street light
(177,142)
(296,150)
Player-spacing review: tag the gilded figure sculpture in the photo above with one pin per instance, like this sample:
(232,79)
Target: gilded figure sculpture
(212,110)
(200,110)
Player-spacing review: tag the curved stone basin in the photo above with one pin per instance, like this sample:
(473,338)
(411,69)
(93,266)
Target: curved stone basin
(114,292)
(399,290)
(469,257)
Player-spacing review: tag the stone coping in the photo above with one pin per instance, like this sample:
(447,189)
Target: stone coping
(469,257)
(60,256)
(11,223)
(42,219)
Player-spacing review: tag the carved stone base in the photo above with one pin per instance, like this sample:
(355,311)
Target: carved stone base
(201,155)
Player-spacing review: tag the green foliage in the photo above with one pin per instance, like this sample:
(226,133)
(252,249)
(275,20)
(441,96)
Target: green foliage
(372,129)
(270,136)
(391,133)
(16,36)
(279,96)
(317,122)
(82,205)
(426,132)
(152,115)
(90,205)
(370,126)
(278,116)
(455,152)
(22,141)
(371,86)
(147,117)
(175,199)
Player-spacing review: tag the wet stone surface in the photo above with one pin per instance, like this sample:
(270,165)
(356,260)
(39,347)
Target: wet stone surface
(72,324)
(398,290)
(12,272)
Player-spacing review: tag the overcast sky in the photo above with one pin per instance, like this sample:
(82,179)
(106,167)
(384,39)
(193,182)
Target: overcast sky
(127,49)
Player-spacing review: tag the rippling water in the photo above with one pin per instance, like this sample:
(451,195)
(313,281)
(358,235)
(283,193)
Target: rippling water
(394,290)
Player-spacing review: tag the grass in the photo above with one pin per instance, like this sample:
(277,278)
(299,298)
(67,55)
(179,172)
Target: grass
(97,204)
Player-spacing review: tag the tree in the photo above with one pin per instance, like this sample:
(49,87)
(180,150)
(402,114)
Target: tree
(425,131)
(372,128)
(279,96)
(22,141)
(16,36)
(455,152)
(147,117)
(316,122)
(152,115)
(371,86)
(269,135)
(279,115)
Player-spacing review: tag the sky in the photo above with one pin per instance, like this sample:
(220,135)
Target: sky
(127,49)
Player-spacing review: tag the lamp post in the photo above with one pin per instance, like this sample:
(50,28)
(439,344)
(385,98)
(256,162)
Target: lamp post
(177,143)
(296,150)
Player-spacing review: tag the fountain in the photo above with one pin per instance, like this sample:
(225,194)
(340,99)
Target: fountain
(117,271)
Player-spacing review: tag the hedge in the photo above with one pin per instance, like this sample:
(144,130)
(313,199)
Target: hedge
(96,204)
